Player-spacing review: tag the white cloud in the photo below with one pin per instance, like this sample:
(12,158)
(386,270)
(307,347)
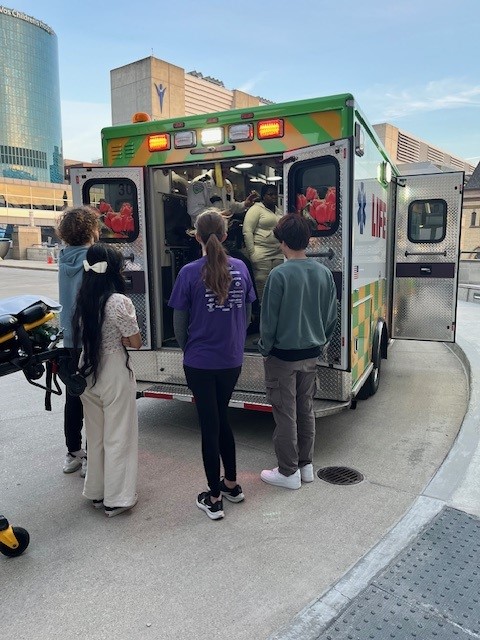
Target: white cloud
(387,102)
(81,126)
(249,85)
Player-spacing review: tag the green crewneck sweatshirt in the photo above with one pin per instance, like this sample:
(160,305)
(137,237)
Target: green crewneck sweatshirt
(299,307)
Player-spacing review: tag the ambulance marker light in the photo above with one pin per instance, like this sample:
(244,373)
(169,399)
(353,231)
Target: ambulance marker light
(247,116)
(178,125)
(159,142)
(184,139)
(212,136)
(240,132)
(270,129)
(140,116)
(212,120)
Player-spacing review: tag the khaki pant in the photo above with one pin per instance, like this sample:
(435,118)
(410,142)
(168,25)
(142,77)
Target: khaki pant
(290,390)
(261,269)
(111,423)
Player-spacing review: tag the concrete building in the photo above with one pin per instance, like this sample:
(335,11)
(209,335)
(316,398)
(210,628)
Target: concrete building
(30,123)
(164,90)
(470,241)
(404,148)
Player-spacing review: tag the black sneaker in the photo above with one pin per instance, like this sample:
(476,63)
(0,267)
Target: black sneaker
(234,495)
(110,512)
(214,510)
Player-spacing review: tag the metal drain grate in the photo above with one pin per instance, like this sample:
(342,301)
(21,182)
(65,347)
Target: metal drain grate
(340,475)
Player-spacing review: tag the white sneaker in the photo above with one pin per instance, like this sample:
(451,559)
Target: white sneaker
(273,476)
(72,463)
(307,473)
(83,471)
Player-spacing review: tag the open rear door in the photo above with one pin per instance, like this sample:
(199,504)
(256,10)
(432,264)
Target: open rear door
(316,183)
(118,196)
(427,248)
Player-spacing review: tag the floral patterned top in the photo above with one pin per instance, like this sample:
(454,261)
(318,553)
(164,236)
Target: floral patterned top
(119,321)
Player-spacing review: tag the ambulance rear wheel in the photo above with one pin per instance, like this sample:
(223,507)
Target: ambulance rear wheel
(373,381)
(23,539)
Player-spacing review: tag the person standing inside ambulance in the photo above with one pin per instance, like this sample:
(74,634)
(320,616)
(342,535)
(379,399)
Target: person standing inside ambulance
(262,246)
(204,192)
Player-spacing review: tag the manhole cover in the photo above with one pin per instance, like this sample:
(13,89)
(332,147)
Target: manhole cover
(340,475)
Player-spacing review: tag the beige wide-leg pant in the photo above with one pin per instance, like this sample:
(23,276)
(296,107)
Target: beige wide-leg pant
(111,424)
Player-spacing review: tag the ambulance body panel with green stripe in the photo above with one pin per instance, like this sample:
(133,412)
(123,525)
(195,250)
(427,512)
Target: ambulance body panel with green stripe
(391,241)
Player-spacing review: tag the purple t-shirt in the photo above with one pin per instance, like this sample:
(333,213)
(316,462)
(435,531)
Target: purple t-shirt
(216,333)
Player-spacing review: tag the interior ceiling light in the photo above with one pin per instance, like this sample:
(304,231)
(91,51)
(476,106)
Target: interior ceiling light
(244,165)
(274,178)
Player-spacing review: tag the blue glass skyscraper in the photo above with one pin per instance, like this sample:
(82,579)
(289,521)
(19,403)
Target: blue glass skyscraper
(30,120)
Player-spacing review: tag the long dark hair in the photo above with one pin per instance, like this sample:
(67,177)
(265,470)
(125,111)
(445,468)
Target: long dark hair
(95,290)
(211,228)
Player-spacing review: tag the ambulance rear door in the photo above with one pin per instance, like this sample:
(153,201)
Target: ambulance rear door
(118,196)
(427,249)
(316,182)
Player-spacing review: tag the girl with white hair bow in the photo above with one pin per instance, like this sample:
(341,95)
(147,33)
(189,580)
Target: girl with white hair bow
(104,324)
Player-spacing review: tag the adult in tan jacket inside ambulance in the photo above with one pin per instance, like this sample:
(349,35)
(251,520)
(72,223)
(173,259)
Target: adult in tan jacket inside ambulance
(262,246)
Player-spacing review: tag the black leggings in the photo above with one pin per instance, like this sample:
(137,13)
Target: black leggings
(212,390)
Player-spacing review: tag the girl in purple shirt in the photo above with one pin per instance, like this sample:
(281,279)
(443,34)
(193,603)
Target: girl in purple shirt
(212,300)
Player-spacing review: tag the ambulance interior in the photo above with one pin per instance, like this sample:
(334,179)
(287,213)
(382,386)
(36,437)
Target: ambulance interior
(242,177)
(245,176)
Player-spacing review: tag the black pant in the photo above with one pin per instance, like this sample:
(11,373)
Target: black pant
(73,422)
(212,390)
(73,415)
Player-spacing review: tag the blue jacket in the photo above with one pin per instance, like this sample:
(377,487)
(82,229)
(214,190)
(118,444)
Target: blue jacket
(70,273)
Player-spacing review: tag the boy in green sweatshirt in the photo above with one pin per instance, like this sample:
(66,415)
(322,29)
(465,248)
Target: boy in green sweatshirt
(298,317)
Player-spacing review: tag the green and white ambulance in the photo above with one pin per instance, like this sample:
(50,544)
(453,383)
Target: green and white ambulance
(391,241)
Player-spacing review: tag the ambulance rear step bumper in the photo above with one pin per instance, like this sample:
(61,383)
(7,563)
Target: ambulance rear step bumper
(239,400)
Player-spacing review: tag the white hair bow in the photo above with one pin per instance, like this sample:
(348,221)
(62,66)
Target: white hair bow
(98,267)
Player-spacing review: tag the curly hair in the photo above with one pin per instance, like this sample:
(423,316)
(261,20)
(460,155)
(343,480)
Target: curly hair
(78,225)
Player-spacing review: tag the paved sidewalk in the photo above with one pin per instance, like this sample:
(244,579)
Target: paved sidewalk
(423,579)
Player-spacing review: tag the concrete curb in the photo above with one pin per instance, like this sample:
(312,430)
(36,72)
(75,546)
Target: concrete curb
(319,614)
(454,474)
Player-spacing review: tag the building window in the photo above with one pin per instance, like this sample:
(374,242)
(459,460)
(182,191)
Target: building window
(473,219)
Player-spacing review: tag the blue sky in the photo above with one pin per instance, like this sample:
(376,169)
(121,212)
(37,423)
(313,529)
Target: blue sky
(413,63)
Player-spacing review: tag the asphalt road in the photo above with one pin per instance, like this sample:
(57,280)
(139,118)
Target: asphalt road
(164,570)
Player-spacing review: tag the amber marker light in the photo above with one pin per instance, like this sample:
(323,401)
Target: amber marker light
(159,142)
(270,129)
(140,116)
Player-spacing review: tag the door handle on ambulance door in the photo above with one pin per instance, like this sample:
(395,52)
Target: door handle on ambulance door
(330,254)
(426,253)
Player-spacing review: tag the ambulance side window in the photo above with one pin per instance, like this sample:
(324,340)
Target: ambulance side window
(313,189)
(116,202)
(427,221)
